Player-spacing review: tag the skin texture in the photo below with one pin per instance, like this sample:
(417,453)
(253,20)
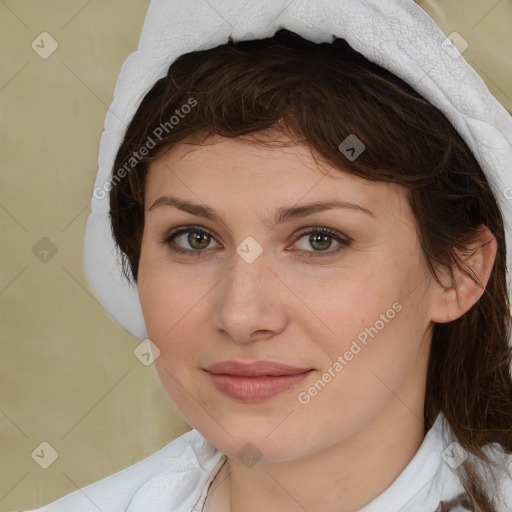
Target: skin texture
(327,454)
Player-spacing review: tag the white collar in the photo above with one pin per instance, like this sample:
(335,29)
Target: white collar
(193,464)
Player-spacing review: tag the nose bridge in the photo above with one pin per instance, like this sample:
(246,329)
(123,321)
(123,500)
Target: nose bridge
(246,300)
(249,271)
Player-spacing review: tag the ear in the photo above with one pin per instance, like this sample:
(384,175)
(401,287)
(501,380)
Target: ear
(462,291)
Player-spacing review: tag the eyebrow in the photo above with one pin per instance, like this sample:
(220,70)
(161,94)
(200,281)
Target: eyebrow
(282,214)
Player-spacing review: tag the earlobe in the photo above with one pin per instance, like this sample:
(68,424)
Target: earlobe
(469,279)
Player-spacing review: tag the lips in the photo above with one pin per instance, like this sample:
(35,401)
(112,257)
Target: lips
(255,381)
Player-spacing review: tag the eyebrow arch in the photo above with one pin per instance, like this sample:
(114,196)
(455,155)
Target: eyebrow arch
(282,214)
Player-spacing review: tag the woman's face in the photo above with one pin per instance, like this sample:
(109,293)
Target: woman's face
(349,311)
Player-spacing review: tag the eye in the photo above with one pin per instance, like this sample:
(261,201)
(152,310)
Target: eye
(197,238)
(321,240)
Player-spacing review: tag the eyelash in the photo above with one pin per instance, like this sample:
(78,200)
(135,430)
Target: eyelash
(344,242)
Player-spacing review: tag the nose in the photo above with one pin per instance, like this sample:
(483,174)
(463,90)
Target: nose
(251,301)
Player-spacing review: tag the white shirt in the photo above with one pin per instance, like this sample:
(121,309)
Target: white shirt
(176,479)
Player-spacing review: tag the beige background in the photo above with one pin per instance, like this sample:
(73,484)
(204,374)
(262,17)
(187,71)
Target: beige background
(68,373)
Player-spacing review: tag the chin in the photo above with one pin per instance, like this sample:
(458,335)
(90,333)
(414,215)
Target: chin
(251,449)
(257,439)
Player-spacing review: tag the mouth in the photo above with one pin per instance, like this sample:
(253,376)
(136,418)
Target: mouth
(260,380)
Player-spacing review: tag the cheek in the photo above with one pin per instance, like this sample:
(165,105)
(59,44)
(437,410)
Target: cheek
(165,309)
(172,305)
(374,349)
(159,296)
(168,312)
(374,318)
(338,305)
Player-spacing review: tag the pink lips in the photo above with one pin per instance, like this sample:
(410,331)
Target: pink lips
(255,381)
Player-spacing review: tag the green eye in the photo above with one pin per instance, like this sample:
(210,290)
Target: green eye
(320,239)
(198,239)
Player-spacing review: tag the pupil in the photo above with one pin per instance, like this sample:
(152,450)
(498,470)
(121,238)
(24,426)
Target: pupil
(196,237)
(318,239)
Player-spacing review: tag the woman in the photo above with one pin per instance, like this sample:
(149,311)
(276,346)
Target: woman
(321,265)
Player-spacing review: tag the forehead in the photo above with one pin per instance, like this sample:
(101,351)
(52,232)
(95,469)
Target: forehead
(271,143)
(265,168)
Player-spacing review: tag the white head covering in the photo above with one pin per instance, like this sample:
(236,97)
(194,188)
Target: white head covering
(395,34)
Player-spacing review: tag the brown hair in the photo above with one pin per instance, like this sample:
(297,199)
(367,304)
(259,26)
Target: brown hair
(320,94)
